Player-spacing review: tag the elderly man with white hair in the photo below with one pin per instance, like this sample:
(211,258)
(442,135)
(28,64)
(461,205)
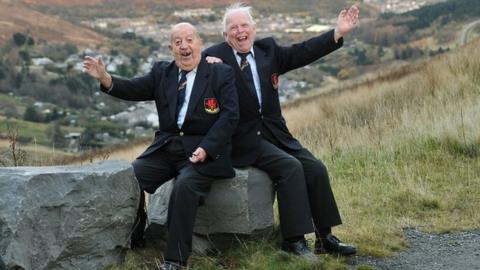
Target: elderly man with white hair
(262,138)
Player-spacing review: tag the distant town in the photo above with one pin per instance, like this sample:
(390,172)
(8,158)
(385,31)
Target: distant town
(140,117)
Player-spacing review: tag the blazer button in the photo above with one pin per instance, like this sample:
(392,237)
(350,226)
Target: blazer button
(259,133)
(181,133)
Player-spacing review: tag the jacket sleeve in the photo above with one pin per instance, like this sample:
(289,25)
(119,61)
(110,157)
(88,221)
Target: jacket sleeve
(220,134)
(306,52)
(140,88)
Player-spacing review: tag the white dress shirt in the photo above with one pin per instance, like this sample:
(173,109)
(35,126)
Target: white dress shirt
(183,110)
(253,67)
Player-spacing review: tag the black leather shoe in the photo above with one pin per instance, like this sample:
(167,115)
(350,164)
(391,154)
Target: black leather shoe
(333,245)
(171,266)
(299,248)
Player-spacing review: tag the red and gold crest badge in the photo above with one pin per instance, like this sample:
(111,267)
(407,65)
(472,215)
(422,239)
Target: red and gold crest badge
(211,105)
(275,81)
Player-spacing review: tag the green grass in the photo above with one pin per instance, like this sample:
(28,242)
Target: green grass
(31,131)
(418,183)
(255,254)
(12,103)
(36,132)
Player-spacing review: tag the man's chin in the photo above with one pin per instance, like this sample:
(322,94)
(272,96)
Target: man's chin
(186,66)
(244,48)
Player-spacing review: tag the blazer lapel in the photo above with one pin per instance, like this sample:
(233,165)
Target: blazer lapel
(171,85)
(263,69)
(199,86)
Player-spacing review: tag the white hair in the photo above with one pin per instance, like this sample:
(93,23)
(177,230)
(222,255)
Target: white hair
(237,7)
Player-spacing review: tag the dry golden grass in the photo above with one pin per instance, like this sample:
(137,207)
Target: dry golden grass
(434,100)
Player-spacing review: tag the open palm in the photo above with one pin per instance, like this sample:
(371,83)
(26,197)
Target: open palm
(347,20)
(94,67)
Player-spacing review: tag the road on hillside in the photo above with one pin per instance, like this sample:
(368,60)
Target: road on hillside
(465,31)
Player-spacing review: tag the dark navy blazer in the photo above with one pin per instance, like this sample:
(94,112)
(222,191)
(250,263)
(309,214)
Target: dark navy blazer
(272,60)
(211,117)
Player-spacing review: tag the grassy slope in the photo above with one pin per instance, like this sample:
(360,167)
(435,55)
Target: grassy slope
(403,153)
(400,153)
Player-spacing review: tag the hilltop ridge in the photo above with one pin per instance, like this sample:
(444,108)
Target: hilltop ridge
(21,18)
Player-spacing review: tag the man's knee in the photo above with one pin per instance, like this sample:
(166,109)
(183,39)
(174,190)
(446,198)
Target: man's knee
(138,166)
(139,171)
(289,166)
(316,173)
(182,185)
(293,163)
(320,168)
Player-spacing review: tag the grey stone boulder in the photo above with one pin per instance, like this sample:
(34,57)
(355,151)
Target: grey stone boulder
(240,205)
(66,217)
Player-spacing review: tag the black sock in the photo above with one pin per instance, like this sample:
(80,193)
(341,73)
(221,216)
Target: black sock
(322,233)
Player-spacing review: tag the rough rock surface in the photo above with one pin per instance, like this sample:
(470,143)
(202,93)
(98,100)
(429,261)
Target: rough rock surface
(66,217)
(241,205)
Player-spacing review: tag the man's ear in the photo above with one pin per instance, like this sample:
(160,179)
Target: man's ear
(170,47)
(224,35)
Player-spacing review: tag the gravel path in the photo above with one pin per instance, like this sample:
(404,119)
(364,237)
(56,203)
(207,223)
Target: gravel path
(452,251)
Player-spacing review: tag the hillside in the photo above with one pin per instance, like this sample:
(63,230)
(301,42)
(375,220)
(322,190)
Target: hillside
(52,29)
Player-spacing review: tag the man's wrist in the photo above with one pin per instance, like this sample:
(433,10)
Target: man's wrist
(337,35)
(106,80)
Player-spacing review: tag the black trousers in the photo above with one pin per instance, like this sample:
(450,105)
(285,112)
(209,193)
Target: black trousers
(322,206)
(287,175)
(190,187)
(322,201)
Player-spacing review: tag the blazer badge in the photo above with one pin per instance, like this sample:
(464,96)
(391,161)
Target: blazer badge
(211,105)
(275,81)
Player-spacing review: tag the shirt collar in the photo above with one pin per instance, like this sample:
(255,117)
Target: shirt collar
(251,51)
(193,71)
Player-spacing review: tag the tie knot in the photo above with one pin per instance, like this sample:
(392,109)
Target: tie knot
(243,56)
(183,73)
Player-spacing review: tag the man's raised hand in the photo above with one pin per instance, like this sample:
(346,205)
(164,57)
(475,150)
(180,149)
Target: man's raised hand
(95,67)
(347,20)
